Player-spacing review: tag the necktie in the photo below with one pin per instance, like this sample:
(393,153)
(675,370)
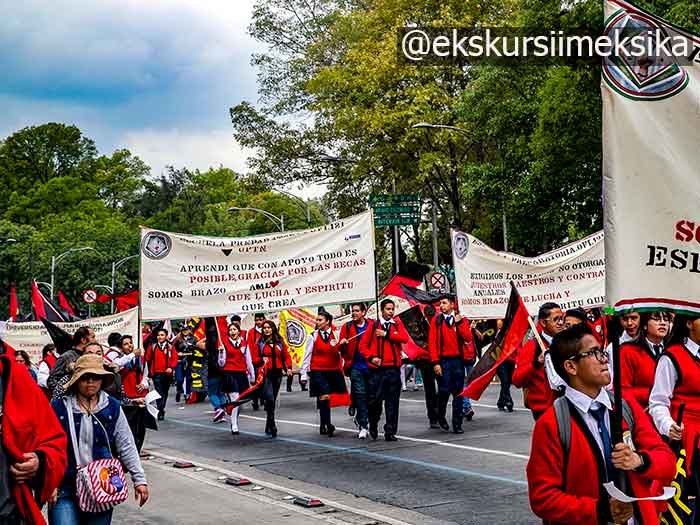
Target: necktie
(449,319)
(599,415)
(658,349)
(387,326)
(324,336)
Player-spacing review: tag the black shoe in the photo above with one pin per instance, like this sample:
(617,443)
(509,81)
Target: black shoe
(433,424)
(352,411)
(161,417)
(458,430)
(235,432)
(390,437)
(256,405)
(178,396)
(502,408)
(323,430)
(510,408)
(443,424)
(289,389)
(273,432)
(374,433)
(267,428)
(469,414)
(331,431)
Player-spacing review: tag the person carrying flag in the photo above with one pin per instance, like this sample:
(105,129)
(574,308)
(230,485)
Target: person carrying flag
(529,371)
(354,363)
(573,453)
(161,359)
(237,366)
(449,345)
(253,336)
(277,363)
(321,364)
(382,350)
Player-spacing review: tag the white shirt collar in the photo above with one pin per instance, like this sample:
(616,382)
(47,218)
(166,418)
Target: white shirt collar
(652,345)
(547,338)
(625,337)
(692,346)
(583,402)
(391,321)
(448,316)
(258,329)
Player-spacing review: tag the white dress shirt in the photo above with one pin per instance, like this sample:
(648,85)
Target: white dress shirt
(584,403)
(308,353)
(42,375)
(662,392)
(556,382)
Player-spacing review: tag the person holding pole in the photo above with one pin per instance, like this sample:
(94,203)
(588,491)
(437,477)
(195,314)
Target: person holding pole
(278,363)
(574,450)
(529,371)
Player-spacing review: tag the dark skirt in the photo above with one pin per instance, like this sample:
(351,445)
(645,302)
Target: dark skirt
(234,382)
(325,382)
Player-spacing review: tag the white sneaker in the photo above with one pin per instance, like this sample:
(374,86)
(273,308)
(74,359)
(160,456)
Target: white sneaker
(363,433)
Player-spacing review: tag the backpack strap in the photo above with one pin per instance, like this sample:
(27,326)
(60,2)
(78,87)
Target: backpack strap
(563,415)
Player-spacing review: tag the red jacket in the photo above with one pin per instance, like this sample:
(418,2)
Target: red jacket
(325,355)
(637,371)
(280,360)
(445,341)
(50,360)
(387,349)
(131,376)
(572,494)
(349,331)
(30,425)
(529,374)
(159,360)
(687,390)
(252,337)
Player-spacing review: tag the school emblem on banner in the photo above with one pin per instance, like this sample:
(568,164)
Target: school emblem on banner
(156,245)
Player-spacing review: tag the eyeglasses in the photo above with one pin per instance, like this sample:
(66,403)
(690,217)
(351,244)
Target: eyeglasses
(558,319)
(660,318)
(600,354)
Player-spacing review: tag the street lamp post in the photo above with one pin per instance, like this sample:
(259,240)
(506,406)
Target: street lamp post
(427,125)
(115,266)
(277,221)
(56,259)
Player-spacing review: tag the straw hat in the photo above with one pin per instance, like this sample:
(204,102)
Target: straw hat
(90,364)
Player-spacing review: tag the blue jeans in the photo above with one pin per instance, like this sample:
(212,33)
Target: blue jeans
(67,512)
(467,402)
(216,398)
(358,391)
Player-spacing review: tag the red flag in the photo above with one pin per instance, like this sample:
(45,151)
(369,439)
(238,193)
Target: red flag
(14,305)
(38,302)
(393,287)
(63,303)
(510,338)
(247,394)
(340,400)
(127,301)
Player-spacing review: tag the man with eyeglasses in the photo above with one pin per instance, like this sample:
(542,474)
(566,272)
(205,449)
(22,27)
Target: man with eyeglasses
(565,477)
(638,358)
(529,371)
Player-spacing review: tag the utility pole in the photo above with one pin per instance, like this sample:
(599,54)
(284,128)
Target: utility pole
(435,237)
(505,233)
(397,236)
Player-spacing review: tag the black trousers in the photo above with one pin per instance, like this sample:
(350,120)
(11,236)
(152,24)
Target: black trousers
(505,374)
(451,384)
(136,417)
(430,389)
(384,385)
(161,382)
(270,388)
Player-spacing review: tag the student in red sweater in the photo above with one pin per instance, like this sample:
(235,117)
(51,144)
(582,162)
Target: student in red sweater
(253,336)
(529,371)
(235,362)
(321,364)
(448,343)
(638,358)
(135,386)
(382,350)
(277,363)
(566,486)
(161,359)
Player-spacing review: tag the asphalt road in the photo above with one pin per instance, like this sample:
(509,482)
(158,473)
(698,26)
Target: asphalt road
(474,478)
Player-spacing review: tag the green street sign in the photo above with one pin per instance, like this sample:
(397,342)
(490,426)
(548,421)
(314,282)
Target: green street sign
(395,210)
(389,199)
(397,221)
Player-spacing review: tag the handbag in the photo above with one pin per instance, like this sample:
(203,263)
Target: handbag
(101,484)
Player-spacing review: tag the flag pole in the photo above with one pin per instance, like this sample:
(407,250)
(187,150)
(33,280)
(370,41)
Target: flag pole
(376,273)
(616,416)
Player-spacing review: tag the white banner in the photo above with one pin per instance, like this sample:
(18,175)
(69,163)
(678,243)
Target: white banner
(572,276)
(651,154)
(31,337)
(188,275)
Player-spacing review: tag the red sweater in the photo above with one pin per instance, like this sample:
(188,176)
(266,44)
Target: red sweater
(235,358)
(573,494)
(160,359)
(280,359)
(325,356)
(252,338)
(530,375)
(637,370)
(349,331)
(131,377)
(687,390)
(30,425)
(444,341)
(387,349)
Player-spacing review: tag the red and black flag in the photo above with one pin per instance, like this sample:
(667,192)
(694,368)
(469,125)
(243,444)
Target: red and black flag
(45,308)
(60,338)
(246,395)
(122,301)
(15,313)
(514,330)
(65,304)
(679,511)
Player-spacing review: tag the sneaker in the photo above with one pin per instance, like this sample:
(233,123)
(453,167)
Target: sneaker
(363,433)
(331,431)
(469,414)
(323,430)
(458,430)
(390,437)
(444,424)
(219,415)
(404,389)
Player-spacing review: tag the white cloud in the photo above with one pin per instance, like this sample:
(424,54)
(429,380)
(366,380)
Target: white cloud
(183,148)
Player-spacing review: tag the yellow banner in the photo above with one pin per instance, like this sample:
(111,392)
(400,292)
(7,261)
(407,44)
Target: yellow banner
(295,327)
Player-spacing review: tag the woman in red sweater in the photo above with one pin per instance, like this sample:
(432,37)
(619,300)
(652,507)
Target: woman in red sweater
(322,364)
(638,358)
(277,363)
(237,365)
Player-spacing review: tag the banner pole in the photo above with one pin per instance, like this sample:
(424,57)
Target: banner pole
(616,416)
(376,272)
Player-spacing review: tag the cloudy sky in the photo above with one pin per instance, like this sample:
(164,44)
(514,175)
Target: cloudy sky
(155,76)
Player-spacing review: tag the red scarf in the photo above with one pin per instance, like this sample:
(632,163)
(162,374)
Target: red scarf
(30,425)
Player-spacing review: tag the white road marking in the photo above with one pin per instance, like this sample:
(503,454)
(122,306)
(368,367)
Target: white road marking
(480,405)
